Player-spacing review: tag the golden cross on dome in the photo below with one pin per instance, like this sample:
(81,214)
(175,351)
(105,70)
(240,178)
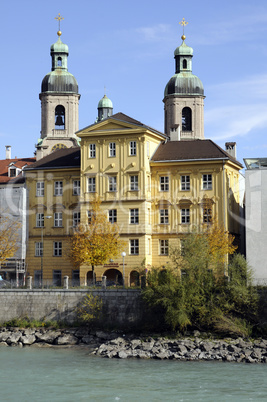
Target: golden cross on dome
(183,23)
(59,18)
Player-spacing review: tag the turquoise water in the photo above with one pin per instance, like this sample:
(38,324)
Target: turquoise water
(31,374)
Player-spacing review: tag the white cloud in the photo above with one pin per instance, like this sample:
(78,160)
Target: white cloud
(153,33)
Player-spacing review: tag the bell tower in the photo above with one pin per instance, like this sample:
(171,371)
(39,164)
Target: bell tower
(184,98)
(59,103)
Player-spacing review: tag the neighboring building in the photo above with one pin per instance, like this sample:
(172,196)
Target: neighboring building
(13,204)
(256,217)
(54,188)
(60,104)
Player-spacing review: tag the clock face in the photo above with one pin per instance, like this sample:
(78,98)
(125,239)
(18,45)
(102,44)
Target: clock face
(58,146)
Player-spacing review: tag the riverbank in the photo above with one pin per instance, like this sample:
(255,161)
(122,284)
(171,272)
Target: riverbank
(114,345)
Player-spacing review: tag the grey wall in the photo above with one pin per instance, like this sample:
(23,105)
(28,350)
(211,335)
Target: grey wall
(121,307)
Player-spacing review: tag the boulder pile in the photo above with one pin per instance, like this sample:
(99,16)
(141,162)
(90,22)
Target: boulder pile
(112,345)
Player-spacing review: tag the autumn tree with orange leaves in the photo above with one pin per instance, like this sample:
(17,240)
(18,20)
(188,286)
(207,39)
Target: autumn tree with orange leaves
(96,242)
(9,236)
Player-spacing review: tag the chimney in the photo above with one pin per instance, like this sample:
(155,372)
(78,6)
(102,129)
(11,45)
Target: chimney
(175,133)
(8,151)
(230,147)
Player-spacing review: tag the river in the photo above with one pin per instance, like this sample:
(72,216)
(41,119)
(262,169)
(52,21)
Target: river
(35,374)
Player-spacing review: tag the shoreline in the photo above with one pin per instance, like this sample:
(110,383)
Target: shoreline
(115,345)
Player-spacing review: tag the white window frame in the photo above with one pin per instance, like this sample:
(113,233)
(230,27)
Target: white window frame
(112,216)
(134,246)
(76,218)
(185,183)
(164,183)
(134,216)
(112,149)
(58,188)
(40,189)
(134,183)
(91,184)
(76,188)
(58,219)
(39,220)
(57,249)
(164,216)
(163,247)
(207,181)
(112,183)
(39,249)
(92,151)
(185,215)
(132,145)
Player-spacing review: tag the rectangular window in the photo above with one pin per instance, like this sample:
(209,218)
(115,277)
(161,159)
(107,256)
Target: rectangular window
(164,247)
(134,246)
(207,181)
(57,277)
(58,219)
(38,249)
(40,220)
(75,277)
(132,148)
(112,183)
(112,215)
(207,215)
(164,183)
(134,215)
(76,219)
(57,249)
(91,184)
(76,187)
(40,189)
(185,183)
(58,189)
(185,215)
(112,149)
(134,183)
(92,151)
(164,216)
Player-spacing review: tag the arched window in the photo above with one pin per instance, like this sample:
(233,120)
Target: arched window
(59,62)
(186,119)
(60,117)
(184,63)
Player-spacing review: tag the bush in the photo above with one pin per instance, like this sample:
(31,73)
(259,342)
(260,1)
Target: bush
(89,309)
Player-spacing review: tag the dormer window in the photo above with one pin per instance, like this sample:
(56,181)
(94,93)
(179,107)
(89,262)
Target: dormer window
(12,172)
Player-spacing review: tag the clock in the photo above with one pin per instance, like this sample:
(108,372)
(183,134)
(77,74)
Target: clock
(58,146)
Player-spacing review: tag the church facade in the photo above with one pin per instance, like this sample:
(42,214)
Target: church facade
(155,186)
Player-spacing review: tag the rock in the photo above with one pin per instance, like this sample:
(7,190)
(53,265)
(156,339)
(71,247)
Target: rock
(14,337)
(3,344)
(135,343)
(28,339)
(182,349)
(87,339)
(4,336)
(67,339)
(206,346)
(122,354)
(47,337)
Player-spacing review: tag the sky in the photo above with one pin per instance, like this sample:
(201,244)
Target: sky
(127,48)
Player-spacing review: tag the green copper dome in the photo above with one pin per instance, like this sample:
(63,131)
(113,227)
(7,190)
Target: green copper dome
(105,102)
(59,79)
(183,82)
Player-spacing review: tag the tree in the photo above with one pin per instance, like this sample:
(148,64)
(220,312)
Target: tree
(193,291)
(97,241)
(9,236)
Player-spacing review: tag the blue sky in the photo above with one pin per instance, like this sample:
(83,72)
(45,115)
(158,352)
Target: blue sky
(128,48)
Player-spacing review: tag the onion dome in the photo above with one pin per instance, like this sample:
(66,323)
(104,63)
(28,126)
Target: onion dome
(59,79)
(183,82)
(105,108)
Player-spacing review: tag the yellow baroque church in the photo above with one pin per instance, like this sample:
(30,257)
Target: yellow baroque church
(156,187)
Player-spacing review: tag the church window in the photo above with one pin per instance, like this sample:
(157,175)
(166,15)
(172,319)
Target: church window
(132,148)
(185,183)
(40,189)
(59,62)
(163,216)
(164,247)
(76,187)
(92,151)
(207,215)
(184,64)
(58,219)
(207,181)
(112,149)
(164,183)
(60,117)
(187,119)
(134,183)
(58,188)
(185,215)
(91,185)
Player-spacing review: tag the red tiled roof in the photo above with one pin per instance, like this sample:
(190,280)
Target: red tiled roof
(16,162)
